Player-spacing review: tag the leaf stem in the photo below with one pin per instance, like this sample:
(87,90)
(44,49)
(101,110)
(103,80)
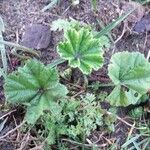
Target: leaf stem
(50,5)
(80,144)
(11,131)
(101,24)
(104,85)
(56,62)
(3,54)
(120,119)
(19,47)
(85,81)
(147,1)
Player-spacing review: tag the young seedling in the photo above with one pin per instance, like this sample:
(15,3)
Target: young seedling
(82,50)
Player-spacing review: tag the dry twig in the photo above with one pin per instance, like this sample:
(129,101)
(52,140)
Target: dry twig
(109,113)
(11,131)
(7,114)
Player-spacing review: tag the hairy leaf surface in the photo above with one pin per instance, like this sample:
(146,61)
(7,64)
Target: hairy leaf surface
(36,85)
(82,50)
(130,72)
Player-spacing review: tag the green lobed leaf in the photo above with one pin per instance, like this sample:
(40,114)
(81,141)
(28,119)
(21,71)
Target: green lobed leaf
(35,84)
(35,111)
(82,50)
(130,72)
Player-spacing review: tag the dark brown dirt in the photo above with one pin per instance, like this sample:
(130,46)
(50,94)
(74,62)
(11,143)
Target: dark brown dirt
(20,13)
(6,146)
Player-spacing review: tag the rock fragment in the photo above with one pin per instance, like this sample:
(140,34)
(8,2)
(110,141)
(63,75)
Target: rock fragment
(36,36)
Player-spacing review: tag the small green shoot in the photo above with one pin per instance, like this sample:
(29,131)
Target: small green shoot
(77,119)
(136,113)
(94,5)
(82,50)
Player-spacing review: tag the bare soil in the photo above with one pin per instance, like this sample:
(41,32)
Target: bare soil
(18,14)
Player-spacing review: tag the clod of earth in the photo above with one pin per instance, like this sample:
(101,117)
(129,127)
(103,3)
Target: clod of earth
(143,25)
(36,36)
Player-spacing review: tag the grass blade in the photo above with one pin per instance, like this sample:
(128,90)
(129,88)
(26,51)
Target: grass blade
(2,47)
(3,124)
(113,24)
(94,5)
(145,2)
(56,62)
(136,145)
(130,141)
(1,72)
(50,5)
(20,47)
(144,142)
(147,144)
(2,27)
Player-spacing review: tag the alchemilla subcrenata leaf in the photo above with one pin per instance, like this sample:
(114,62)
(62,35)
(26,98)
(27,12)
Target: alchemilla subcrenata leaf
(130,72)
(36,85)
(82,50)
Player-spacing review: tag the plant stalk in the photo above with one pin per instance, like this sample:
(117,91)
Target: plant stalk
(104,85)
(19,47)
(56,62)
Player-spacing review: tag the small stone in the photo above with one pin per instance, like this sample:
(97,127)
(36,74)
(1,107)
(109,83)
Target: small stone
(36,36)
(143,25)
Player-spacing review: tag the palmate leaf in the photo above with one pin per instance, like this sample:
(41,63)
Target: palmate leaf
(82,50)
(130,72)
(37,85)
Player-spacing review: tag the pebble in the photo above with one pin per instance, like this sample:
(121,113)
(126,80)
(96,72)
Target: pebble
(143,25)
(36,36)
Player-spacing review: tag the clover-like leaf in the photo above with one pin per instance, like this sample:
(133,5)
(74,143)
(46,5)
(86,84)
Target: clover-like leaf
(37,85)
(130,72)
(82,50)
